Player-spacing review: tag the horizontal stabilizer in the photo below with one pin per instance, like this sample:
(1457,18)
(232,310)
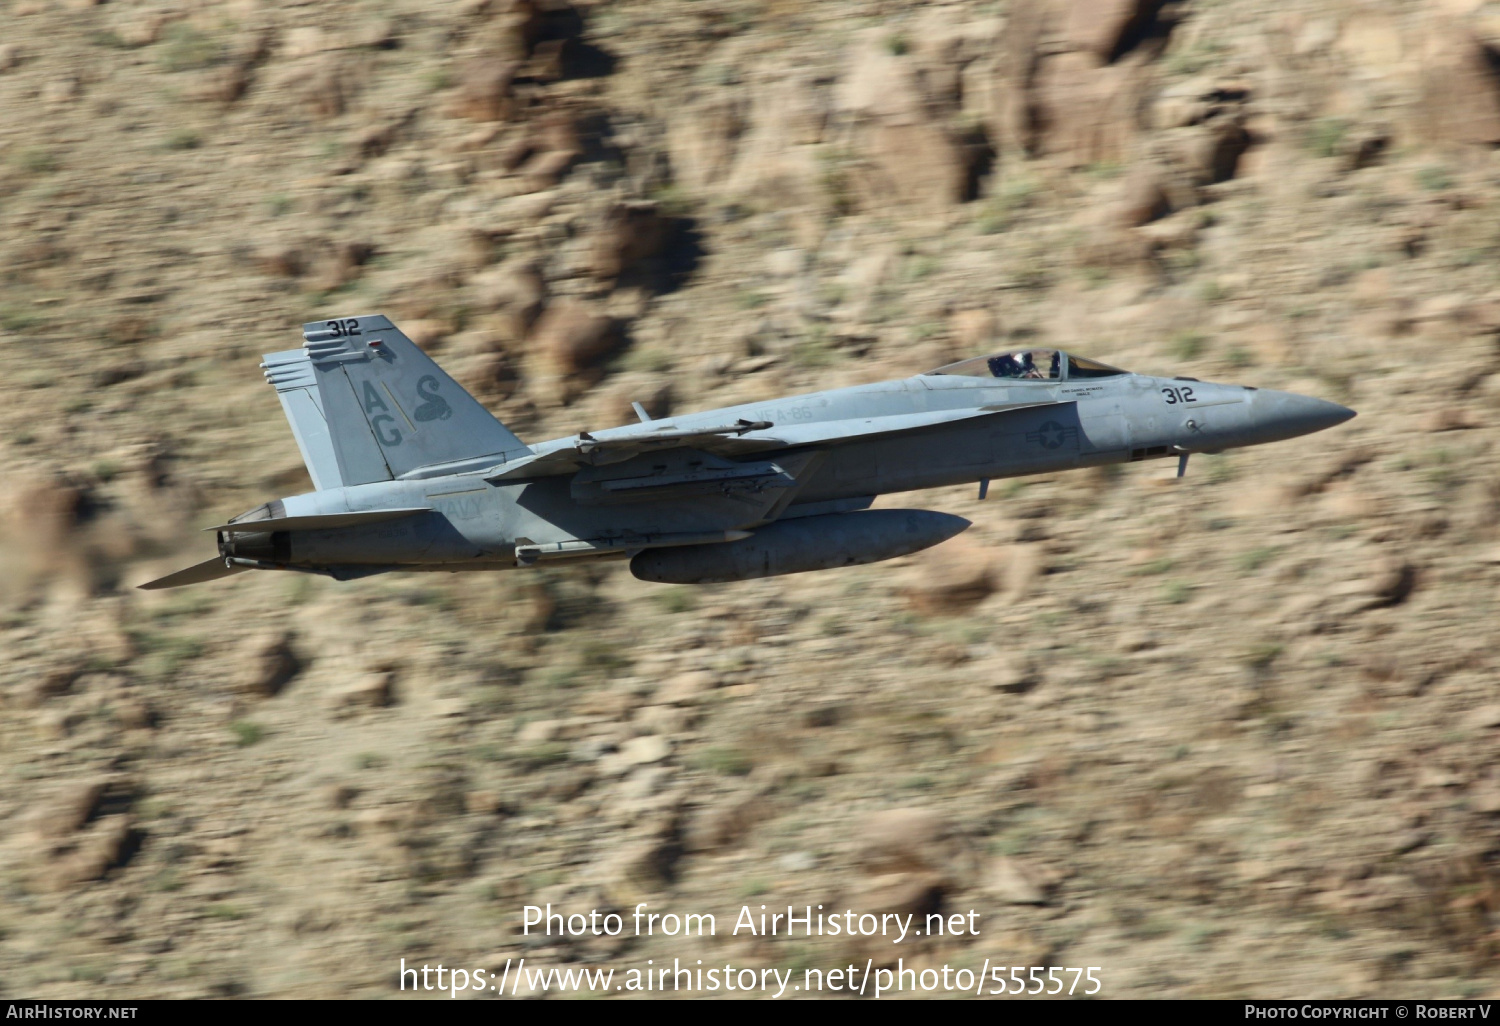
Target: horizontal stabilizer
(320,521)
(198,573)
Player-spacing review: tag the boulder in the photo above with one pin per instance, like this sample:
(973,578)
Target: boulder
(1142,199)
(904,840)
(68,809)
(702,139)
(575,338)
(1485,717)
(1016,883)
(267,662)
(497,375)
(917,894)
(545,169)
(104,845)
(1104,29)
(641,867)
(687,688)
(375,688)
(486,92)
(47,510)
(725,824)
(135,714)
(952,578)
(1213,151)
(515,27)
(904,110)
(517,290)
(1087,114)
(320,85)
(646,749)
(1460,91)
(1068,82)
(629,234)
(281,261)
(1017,118)
(1014,673)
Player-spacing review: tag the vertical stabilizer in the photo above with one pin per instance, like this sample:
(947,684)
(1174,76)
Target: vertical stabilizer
(297,388)
(366,404)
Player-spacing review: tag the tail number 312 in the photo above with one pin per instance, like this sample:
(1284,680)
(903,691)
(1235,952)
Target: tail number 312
(1178,395)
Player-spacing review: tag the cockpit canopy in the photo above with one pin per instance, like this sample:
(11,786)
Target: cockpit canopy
(1030,365)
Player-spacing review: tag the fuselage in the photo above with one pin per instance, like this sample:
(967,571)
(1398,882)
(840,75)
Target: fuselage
(1046,426)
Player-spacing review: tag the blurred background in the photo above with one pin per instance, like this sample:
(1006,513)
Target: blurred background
(1227,736)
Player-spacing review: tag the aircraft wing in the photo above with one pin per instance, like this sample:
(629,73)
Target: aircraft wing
(861,429)
(588,450)
(741,438)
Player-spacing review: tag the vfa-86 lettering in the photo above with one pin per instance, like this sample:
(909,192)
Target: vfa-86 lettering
(412,473)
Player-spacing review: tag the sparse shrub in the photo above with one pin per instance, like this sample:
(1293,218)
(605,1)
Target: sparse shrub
(603,657)
(35,160)
(549,754)
(677,600)
(1326,135)
(1189,60)
(727,761)
(837,186)
(813,352)
(224,910)
(1188,345)
(184,139)
(921,266)
(896,45)
(1177,592)
(109,39)
(15,318)
(1260,657)
(185,48)
(163,654)
(1014,194)
(246,733)
(671,200)
(1157,566)
(656,361)
(1434,178)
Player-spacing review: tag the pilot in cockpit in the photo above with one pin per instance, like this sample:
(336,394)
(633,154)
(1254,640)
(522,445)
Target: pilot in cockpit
(1004,366)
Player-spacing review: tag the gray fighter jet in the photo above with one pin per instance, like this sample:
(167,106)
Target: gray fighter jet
(412,473)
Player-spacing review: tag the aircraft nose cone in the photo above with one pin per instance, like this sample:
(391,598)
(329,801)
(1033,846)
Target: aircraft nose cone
(1290,415)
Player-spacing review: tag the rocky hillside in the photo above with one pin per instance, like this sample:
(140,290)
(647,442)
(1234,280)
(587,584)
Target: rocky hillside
(1230,735)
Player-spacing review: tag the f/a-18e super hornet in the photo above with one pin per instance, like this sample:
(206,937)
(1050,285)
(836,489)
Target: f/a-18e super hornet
(412,473)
